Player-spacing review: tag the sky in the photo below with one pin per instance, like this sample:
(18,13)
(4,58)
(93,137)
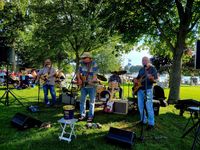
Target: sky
(135,57)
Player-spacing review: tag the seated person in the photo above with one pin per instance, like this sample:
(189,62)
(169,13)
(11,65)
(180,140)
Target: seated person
(24,80)
(115,78)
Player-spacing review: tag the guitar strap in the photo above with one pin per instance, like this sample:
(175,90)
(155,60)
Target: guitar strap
(49,71)
(88,71)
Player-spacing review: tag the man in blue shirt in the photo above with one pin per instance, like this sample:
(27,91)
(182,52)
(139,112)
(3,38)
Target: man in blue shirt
(147,76)
(87,77)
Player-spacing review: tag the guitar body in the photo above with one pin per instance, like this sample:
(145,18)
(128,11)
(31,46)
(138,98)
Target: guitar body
(85,82)
(137,85)
(44,78)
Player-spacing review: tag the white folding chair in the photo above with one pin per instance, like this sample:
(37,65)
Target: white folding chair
(64,123)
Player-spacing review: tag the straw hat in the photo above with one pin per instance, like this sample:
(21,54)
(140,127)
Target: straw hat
(86,55)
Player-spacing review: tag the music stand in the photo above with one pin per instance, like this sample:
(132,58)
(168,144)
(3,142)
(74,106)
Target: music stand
(7,91)
(197,126)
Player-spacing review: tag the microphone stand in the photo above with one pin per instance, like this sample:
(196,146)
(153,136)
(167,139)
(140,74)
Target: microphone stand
(71,86)
(38,93)
(144,104)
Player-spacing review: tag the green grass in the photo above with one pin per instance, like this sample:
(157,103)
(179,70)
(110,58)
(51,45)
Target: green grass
(165,136)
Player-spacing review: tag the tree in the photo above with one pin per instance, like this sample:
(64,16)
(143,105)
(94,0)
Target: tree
(106,60)
(162,63)
(169,24)
(12,21)
(70,24)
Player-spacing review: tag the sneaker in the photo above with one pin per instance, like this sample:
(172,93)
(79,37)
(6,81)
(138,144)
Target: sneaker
(150,127)
(89,119)
(81,118)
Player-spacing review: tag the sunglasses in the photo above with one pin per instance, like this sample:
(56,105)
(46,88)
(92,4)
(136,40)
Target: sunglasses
(85,57)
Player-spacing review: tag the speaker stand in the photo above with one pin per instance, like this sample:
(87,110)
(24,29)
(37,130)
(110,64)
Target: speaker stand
(7,91)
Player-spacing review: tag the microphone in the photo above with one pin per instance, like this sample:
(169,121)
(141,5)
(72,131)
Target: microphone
(145,66)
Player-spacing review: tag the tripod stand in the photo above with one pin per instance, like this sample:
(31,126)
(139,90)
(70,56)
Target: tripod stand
(7,91)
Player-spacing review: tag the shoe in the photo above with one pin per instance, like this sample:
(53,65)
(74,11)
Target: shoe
(150,127)
(89,119)
(81,118)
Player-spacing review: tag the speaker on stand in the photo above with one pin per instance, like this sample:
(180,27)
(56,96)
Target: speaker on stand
(197,58)
(7,57)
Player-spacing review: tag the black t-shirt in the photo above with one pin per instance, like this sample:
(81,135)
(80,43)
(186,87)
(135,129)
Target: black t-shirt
(142,74)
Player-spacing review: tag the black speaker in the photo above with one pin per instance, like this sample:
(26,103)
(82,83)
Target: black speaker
(22,121)
(197,58)
(7,55)
(121,137)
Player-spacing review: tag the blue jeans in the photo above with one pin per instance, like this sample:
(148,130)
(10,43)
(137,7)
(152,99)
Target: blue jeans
(52,91)
(92,94)
(149,106)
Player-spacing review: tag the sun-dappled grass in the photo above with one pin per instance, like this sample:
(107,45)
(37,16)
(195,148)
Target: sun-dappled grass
(166,135)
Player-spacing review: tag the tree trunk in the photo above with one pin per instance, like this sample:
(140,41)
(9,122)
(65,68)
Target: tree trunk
(77,61)
(175,76)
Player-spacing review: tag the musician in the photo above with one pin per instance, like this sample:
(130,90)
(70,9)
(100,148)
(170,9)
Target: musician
(116,78)
(86,76)
(149,75)
(47,74)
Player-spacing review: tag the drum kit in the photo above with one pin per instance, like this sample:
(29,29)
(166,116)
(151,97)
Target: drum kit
(102,93)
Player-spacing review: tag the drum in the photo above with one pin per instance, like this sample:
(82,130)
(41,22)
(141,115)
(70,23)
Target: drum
(100,88)
(113,84)
(105,95)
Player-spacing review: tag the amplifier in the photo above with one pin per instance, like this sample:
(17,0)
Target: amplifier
(120,107)
(67,99)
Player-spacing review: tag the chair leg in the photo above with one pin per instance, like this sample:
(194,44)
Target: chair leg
(196,137)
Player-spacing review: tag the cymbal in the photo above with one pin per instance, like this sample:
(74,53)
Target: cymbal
(119,72)
(101,77)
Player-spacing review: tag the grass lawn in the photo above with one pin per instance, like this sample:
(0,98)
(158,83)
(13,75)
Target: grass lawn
(165,136)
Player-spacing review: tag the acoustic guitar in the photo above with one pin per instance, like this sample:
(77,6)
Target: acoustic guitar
(44,78)
(139,84)
(85,82)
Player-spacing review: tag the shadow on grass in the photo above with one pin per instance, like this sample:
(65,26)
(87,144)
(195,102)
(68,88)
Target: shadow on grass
(165,136)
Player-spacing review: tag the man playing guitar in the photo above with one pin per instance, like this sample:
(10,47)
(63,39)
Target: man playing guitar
(47,77)
(86,77)
(147,76)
